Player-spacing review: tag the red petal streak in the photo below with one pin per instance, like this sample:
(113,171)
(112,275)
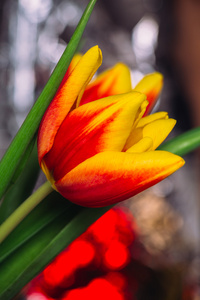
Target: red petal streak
(72,65)
(93,93)
(152,97)
(114,81)
(73,145)
(110,177)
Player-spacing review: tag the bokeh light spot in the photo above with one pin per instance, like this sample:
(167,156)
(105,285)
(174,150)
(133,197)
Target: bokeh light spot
(117,256)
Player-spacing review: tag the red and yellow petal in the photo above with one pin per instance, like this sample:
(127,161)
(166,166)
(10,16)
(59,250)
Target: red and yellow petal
(64,99)
(157,131)
(102,125)
(151,86)
(72,65)
(111,177)
(114,81)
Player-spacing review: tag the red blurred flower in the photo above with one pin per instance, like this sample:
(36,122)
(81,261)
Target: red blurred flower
(89,266)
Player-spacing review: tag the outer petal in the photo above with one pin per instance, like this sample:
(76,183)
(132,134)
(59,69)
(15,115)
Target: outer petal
(110,177)
(114,81)
(103,125)
(64,99)
(157,131)
(151,86)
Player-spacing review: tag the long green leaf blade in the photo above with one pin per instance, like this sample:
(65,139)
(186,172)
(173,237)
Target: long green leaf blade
(22,188)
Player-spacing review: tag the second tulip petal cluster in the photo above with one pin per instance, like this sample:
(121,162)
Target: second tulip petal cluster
(95,143)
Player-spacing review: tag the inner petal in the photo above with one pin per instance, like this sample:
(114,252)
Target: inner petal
(145,144)
(157,130)
(111,82)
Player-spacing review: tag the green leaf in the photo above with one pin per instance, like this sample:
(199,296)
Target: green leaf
(23,187)
(23,161)
(184,143)
(28,260)
(21,141)
(49,209)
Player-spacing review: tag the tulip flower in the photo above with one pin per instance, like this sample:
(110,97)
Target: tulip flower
(94,145)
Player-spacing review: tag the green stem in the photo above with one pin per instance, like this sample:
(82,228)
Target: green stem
(24,209)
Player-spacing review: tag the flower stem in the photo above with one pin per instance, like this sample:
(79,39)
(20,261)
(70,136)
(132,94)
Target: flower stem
(24,209)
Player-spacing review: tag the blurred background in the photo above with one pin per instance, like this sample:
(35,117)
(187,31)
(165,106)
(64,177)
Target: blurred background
(147,35)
